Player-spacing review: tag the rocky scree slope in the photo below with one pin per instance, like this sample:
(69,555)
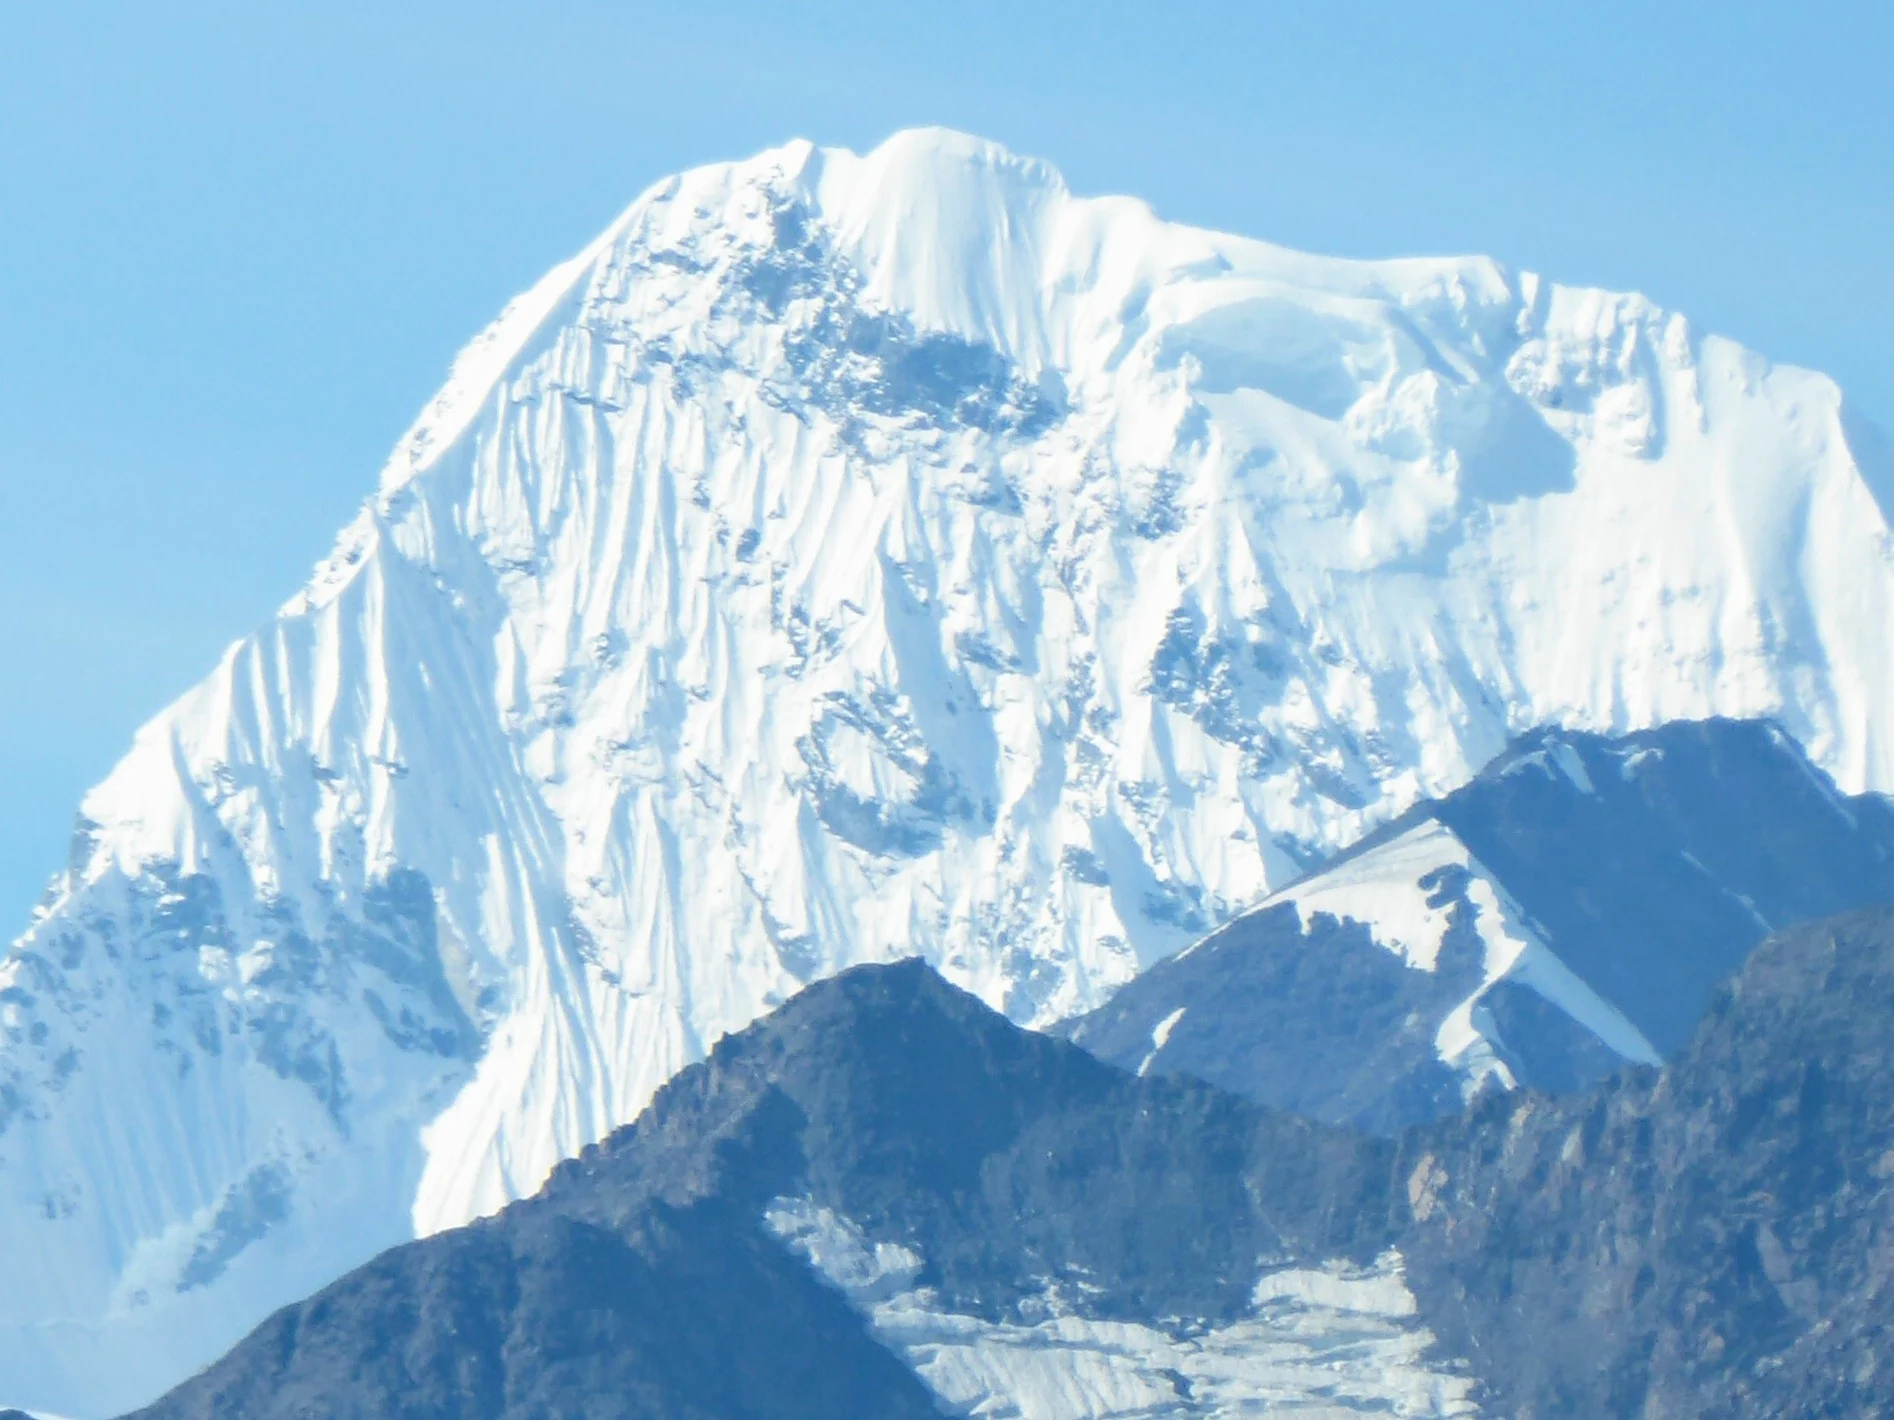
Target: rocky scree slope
(1001,1211)
(847,556)
(1571,908)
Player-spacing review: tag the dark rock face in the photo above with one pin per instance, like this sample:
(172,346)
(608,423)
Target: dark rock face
(1545,1046)
(642,1272)
(1696,841)
(1325,1022)
(689,1313)
(1650,864)
(1001,1155)
(1713,1239)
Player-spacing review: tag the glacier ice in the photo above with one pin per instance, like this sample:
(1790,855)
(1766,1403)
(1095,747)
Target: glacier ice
(1328,1341)
(846,557)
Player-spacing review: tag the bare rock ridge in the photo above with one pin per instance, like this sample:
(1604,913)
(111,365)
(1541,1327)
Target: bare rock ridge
(1703,1242)
(1572,907)
(846,557)
(887,1169)
(1019,1168)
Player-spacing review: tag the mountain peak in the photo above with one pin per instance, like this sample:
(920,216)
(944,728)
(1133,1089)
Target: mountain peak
(850,557)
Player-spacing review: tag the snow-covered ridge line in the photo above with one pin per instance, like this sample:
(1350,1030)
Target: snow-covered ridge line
(1391,890)
(849,556)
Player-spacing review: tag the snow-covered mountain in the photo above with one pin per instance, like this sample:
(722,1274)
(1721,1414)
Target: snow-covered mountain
(846,557)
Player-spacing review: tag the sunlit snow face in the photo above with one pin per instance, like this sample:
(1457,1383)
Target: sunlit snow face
(847,557)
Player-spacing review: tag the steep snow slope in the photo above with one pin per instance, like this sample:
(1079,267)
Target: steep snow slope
(846,557)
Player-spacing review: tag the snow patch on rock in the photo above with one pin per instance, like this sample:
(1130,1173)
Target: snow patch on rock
(1160,1036)
(1334,1340)
(1407,891)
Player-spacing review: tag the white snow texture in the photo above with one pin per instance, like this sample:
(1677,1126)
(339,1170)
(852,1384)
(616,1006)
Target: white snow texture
(848,557)
(1320,1342)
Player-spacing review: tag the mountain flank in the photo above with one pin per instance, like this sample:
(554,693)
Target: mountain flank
(1571,908)
(1715,1239)
(886,1155)
(848,556)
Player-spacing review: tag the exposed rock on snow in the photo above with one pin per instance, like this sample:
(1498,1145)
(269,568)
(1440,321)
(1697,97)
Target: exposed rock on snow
(1570,909)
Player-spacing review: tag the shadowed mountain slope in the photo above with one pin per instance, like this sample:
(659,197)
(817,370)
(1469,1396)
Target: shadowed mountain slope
(885,1171)
(1573,907)
(1006,1159)
(1712,1240)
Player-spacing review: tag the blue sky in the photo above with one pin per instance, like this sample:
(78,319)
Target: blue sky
(240,243)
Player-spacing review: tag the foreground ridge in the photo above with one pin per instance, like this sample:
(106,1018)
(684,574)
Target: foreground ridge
(887,1172)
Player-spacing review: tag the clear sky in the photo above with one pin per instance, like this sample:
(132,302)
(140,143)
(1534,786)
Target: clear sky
(240,242)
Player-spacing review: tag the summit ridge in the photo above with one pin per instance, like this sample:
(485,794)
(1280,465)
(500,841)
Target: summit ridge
(847,557)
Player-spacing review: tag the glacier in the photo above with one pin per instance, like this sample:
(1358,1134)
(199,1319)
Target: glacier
(846,557)
(1327,1342)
